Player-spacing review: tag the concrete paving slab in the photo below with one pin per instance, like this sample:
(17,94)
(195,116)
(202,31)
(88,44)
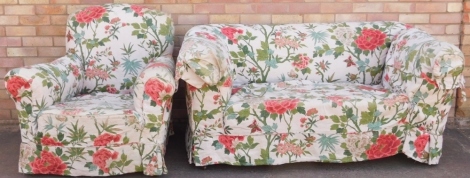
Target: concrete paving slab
(455,163)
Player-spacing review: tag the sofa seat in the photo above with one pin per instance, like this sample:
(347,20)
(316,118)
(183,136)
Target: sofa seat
(302,106)
(111,115)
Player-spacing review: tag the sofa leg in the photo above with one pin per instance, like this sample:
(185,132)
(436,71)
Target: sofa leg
(204,167)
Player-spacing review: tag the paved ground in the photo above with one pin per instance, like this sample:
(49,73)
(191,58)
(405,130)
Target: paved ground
(455,162)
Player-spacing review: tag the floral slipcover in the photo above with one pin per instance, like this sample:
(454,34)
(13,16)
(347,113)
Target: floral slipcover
(339,92)
(104,108)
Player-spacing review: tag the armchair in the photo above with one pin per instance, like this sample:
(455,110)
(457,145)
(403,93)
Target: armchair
(103,108)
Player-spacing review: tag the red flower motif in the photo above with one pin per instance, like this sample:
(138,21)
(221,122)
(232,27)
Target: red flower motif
(14,84)
(387,145)
(111,89)
(157,90)
(102,156)
(370,39)
(206,160)
(420,143)
(89,14)
(105,139)
(228,82)
(230,33)
(338,100)
(312,111)
(227,141)
(302,62)
(235,90)
(48,163)
(48,141)
(137,9)
(280,106)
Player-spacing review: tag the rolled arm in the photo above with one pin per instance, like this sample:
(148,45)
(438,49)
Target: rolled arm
(204,57)
(428,71)
(33,88)
(153,94)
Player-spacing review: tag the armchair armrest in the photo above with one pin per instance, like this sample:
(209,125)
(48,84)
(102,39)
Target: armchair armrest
(428,71)
(203,58)
(33,88)
(153,94)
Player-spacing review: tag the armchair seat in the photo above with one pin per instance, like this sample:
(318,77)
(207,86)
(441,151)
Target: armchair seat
(106,119)
(104,108)
(303,106)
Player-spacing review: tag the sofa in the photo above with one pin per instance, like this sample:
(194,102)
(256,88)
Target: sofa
(318,92)
(104,107)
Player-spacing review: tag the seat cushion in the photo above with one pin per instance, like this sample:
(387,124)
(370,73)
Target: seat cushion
(308,107)
(99,119)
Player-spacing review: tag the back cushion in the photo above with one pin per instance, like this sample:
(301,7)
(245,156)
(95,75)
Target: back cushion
(114,42)
(337,52)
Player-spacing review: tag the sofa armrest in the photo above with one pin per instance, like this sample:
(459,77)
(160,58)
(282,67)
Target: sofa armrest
(153,92)
(36,87)
(428,71)
(203,58)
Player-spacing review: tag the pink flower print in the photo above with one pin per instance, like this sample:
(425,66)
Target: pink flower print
(338,100)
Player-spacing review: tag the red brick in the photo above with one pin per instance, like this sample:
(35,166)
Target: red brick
(5,114)
(319,18)
(19,10)
(8,1)
(226,18)
(304,8)
(350,17)
(191,1)
(19,52)
(51,51)
(10,41)
(336,7)
(160,1)
(209,8)
(33,1)
(177,8)
(37,41)
(3,52)
(255,19)
(272,8)
(446,18)
(35,20)
(51,9)
(11,62)
(2,31)
(9,20)
(368,7)
(64,1)
(59,19)
(20,31)
(432,28)
(51,30)
(95,1)
(7,104)
(59,41)
(399,7)
(382,17)
(38,60)
(193,19)
(224,1)
(240,8)
(431,7)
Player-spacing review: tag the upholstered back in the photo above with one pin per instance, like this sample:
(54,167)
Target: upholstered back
(350,51)
(114,42)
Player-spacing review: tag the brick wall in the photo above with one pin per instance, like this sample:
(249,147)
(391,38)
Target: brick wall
(32,31)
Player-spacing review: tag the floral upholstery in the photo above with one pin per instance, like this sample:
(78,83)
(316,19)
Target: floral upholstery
(104,108)
(339,92)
